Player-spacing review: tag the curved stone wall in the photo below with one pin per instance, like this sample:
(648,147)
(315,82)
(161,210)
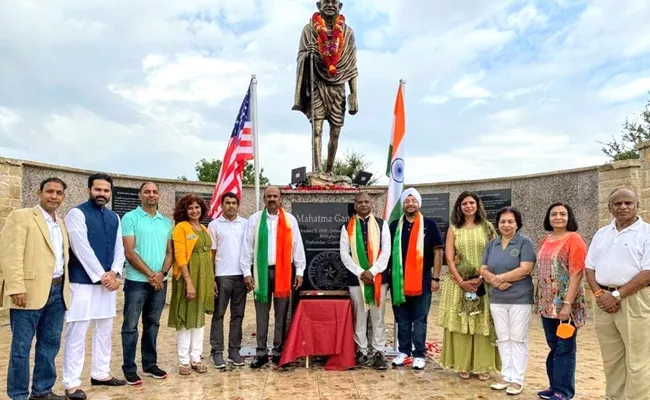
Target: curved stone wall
(532,194)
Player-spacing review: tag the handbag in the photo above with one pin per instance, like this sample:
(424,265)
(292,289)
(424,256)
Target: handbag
(565,330)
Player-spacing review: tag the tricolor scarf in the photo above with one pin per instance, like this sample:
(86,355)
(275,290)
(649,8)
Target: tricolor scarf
(407,280)
(283,255)
(365,255)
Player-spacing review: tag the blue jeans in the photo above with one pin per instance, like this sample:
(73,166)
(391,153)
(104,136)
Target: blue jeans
(561,360)
(140,298)
(411,318)
(46,324)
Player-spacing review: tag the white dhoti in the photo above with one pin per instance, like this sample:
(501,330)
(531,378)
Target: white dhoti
(89,305)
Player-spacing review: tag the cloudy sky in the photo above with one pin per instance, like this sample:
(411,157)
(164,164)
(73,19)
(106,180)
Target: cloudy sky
(148,87)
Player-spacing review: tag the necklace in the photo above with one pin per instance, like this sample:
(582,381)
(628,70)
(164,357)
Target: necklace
(329,48)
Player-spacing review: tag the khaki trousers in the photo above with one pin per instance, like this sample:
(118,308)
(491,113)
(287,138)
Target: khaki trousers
(624,343)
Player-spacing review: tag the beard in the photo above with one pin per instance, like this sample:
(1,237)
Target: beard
(102,201)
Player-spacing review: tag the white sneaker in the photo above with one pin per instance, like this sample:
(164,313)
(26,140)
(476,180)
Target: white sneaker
(399,360)
(419,363)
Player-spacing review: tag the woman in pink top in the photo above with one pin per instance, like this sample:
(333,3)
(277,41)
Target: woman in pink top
(560,296)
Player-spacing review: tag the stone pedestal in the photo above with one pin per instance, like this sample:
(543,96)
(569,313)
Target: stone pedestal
(323,179)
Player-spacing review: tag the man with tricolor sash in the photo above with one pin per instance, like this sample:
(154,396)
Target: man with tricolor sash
(273,247)
(417,249)
(365,250)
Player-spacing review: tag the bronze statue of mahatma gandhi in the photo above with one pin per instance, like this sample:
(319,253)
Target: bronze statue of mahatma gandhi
(327,60)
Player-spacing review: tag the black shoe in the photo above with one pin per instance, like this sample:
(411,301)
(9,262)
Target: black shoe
(47,396)
(259,362)
(155,372)
(217,360)
(276,360)
(379,361)
(132,379)
(110,382)
(77,395)
(236,359)
(361,359)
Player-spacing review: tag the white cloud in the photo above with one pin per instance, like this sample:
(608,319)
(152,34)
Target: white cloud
(632,89)
(169,76)
(527,17)
(468,88)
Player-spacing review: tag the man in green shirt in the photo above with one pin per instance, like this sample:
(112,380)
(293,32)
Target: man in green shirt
(148,248)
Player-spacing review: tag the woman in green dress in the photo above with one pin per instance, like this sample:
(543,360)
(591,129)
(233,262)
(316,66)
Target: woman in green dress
(193,282)
(469,342)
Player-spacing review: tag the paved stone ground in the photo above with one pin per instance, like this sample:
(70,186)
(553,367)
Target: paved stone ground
(315,383)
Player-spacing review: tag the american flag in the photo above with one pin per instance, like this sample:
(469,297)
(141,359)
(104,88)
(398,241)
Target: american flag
(239,150)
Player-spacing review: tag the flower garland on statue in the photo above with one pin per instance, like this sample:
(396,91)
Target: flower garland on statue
(330,49)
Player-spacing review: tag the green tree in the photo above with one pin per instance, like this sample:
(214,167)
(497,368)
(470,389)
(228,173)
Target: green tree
(351,164)
(208,171)
(634,132)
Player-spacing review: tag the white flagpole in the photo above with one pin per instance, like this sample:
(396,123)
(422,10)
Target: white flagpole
(256,161)
(402,85)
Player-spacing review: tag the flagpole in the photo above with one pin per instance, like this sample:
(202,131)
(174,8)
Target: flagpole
(402,84)
(256,161)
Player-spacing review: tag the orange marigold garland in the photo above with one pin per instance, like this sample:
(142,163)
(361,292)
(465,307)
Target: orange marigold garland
(330,48)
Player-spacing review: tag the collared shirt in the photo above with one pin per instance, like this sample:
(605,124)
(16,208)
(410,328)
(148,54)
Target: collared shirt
(227,241)
(56,237)
(617,257)
(432,241)
(499,261)
(151,237)
(381,263)
(298,249)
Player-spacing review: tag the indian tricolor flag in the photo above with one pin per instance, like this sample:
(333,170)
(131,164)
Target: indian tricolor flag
(395,167)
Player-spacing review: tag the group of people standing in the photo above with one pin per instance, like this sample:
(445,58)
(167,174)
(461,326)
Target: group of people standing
(496,279)
(56,269)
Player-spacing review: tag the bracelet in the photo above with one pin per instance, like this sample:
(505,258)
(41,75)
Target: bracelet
(598,293)
(436,279)
(566,302)
(461,283)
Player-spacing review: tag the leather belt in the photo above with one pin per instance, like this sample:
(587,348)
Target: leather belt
(612,288)
(57,281)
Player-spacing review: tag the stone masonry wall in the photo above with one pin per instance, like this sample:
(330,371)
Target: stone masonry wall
(617,174)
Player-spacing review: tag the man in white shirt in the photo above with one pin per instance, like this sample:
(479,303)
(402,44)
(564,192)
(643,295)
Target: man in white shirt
(227,232)
(34,263)
(96,263)
(618,273)
(271,279)
(365,288)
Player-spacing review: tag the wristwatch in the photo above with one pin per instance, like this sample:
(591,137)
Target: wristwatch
(616,294)
(436,279)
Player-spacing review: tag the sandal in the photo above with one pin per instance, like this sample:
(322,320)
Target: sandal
(184,369)
(464,375)
(199,367)
(484,376)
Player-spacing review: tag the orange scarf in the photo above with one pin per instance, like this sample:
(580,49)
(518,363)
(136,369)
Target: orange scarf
(283,258)
(407,279)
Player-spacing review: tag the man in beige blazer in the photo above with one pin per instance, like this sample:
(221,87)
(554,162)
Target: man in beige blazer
(34,263)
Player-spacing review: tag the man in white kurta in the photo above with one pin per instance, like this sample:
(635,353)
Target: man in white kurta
(359,276)
(93,302)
